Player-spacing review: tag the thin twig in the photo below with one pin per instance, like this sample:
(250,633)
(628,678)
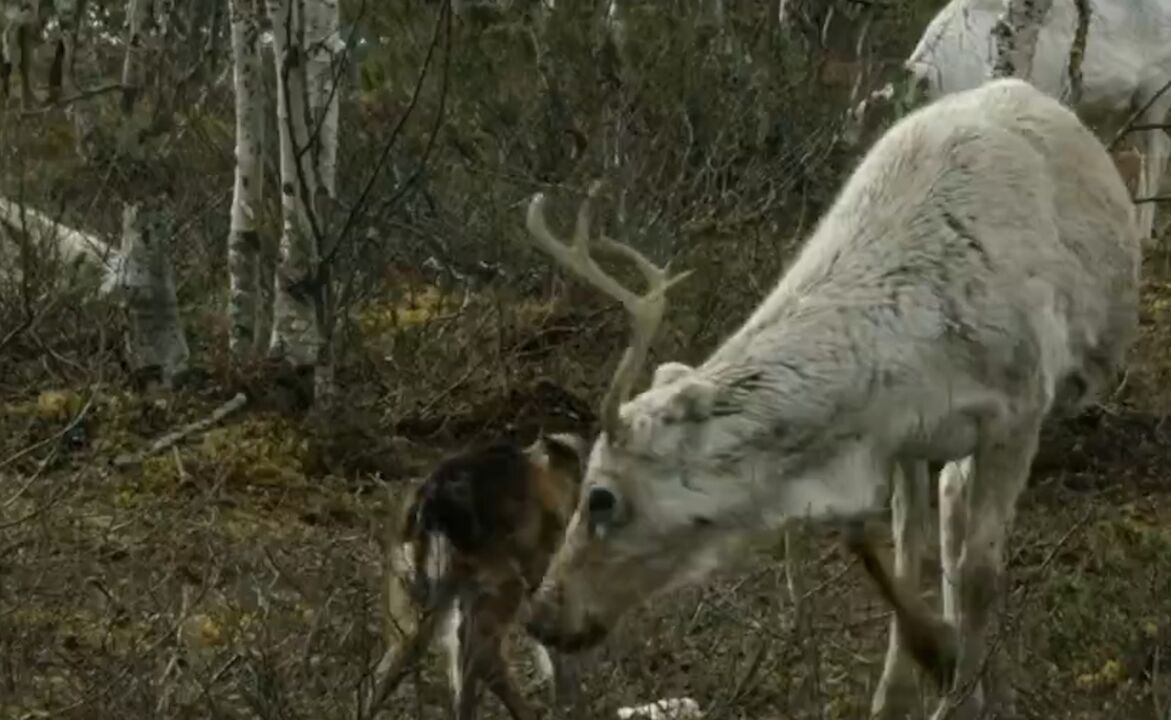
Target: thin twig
(1129,125)
(65,101)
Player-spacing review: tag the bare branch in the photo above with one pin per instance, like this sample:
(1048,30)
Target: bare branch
(176,436)
(1129,126)
(77,97)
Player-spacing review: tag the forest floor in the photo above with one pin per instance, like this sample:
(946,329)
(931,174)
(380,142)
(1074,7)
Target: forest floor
(230,577)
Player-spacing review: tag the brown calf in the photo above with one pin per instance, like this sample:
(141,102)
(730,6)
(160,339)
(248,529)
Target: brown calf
(474,541)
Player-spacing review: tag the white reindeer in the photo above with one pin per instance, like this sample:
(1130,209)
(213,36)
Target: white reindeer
(1126,69)
(978,271)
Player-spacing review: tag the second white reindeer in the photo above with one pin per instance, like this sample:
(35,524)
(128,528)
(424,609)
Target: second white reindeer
(978,271)
(1126,69)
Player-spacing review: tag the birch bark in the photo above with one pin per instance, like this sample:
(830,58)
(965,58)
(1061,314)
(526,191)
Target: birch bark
(137,15)
(155,340)
(1015,35)
(322,74)
(21,18)
(243,237)
(295,336)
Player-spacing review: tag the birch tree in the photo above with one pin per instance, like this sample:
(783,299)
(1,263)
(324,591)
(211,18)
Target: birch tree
(1015,35)
(21,20)
(133,74)
(63,78)
(64,43)
(243,238)
(155,342)
(616,27)
(324,53)
(297,307)
(321,73)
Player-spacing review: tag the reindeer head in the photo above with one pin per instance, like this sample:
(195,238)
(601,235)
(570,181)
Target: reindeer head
(638,528)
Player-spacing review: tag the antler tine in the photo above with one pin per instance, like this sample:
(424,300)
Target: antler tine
(575,258)
(659,279)
(646,310)
(585,213)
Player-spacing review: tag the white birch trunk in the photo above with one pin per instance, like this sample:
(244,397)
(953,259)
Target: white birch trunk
(615,27)
(325,48)
(162,15)
(137,15)
(295,335)
(21,18)
(1015,34)
(155,341)
(63,42)
(243,238)
(69,17)
(614,159)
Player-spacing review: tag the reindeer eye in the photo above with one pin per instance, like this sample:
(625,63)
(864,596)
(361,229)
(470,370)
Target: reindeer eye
(601,504)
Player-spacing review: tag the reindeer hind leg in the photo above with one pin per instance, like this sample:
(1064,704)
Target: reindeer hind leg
(896,690)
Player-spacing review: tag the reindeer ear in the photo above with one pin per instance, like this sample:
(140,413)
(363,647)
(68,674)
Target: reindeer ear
(566,453)
(669,372)
(695,400)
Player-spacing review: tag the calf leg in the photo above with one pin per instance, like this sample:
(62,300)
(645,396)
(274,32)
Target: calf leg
(1000,470)
(896,689)
(488,614)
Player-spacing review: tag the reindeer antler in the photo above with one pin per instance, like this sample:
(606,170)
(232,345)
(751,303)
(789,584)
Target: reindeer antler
(646,310)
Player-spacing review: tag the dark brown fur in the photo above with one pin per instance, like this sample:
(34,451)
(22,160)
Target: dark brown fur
(503,510)
(930,640)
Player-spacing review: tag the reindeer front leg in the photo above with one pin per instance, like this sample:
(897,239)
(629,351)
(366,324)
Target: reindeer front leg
(1000,469)
(895,693)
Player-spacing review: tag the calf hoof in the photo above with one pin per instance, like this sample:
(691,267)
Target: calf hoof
(961,704)
(895,698)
